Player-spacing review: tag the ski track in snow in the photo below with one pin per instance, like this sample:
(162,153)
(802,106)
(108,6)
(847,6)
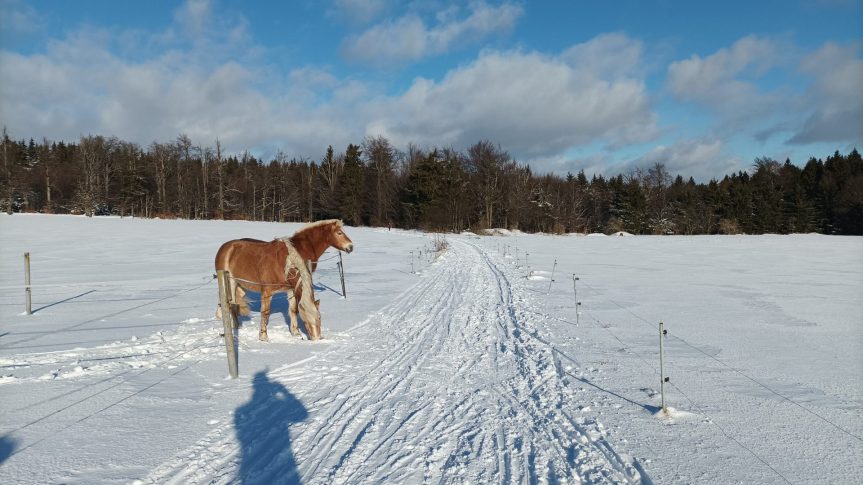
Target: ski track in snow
(451,383)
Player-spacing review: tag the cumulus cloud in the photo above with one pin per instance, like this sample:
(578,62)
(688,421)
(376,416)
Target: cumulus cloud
(80,85)
(727,83)
(17,18)
(837,107)
(725,80)
(607,55)
(408,38)
(536,104)
(702,159)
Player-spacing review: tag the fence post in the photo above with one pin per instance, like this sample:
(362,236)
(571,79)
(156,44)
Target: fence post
(342,275)
(27,290)
(574,289)
(224,278)
(662,378)
(412,262)
(550,281)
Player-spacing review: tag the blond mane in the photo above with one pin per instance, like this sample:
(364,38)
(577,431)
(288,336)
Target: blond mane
(305,231)
(325,222)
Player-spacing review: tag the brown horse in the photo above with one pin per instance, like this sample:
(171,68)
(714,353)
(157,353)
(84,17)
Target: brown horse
(280,265)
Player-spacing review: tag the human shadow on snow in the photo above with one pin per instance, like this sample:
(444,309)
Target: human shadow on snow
(262,428)
(7,446)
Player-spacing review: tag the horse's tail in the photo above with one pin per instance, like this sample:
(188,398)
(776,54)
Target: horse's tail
(240,300)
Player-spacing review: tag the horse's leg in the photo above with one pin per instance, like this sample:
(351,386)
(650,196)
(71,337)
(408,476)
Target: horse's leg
(266,297)
(292,312)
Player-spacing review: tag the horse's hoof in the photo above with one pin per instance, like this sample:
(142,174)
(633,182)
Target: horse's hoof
(263,337)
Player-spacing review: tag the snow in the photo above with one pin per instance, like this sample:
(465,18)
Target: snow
(470,370)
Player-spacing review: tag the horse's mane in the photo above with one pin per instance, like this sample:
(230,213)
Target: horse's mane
(313,226)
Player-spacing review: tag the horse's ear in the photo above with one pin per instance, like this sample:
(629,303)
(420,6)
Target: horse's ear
(318,304)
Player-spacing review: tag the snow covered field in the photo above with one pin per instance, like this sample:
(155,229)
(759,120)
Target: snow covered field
(476,369)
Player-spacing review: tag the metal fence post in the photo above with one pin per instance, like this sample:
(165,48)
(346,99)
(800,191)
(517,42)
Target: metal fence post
(342,275)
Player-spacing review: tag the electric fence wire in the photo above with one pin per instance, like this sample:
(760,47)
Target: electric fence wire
(722,363)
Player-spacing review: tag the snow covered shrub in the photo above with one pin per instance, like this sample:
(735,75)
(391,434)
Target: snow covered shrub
(440,244)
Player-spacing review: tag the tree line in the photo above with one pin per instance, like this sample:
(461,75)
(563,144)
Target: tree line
(439,189)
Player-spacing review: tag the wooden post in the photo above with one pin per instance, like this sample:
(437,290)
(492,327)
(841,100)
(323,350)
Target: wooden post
(342,275)
(412,262)
(550,281)
(224,278)
(662,378)
(28,301)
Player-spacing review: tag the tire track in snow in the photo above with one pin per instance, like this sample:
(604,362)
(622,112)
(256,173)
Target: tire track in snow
(450,383)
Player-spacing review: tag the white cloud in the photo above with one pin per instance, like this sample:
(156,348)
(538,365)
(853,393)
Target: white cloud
(724,80)
(536,105)
(408,38)
(194,16)
(607,55)
(835,103)
(729,83)
(702,159)
(17,18)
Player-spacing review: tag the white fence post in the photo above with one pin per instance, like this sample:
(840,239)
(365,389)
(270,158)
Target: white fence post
(27,290)
(662,378)
(550,281)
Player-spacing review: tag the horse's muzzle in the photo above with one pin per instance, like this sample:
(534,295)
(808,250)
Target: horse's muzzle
(349,248)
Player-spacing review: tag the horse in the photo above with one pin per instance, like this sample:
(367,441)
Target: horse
(280,265)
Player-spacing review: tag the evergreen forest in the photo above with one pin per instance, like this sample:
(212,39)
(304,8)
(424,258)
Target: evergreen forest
(439,189)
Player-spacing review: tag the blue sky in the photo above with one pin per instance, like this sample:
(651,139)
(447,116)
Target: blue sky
(608,87)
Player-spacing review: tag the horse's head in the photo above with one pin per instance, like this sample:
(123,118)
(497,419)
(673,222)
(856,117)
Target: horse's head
(338,239)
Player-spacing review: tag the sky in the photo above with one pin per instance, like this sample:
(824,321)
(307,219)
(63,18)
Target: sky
(604,87)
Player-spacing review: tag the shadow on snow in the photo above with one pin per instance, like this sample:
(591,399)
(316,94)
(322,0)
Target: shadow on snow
(7,446)
(262,427)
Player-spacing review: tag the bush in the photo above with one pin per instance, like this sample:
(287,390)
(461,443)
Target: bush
(440,244)
(728,226)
